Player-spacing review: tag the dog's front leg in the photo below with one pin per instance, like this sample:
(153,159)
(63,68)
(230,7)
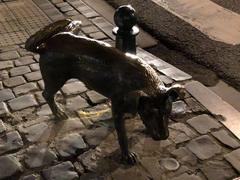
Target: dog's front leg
(118,116)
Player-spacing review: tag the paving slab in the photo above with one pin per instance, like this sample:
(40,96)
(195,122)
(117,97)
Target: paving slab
(218,170)
(204,147)
(203,123)
(224,137)
(216,106)
(234,158)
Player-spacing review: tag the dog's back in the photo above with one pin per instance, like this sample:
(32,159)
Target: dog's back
(100,66)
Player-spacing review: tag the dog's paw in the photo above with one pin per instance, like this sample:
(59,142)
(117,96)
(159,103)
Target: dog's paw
(60,115)
(130,158)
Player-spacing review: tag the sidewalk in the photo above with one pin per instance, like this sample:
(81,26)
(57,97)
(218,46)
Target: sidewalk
(204,130)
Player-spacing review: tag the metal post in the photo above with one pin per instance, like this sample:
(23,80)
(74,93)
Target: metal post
(126,31)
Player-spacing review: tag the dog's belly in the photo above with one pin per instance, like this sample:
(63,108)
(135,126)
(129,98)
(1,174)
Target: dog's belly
(107,79)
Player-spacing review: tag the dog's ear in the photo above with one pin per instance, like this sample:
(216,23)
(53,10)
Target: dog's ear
(175,91)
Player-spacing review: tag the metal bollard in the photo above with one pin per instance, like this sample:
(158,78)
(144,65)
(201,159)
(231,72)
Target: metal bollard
(126,31)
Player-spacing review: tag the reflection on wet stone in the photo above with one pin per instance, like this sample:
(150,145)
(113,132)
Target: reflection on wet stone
(70,145)
(38,156)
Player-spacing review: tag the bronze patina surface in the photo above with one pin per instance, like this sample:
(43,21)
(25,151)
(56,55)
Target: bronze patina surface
(132,85)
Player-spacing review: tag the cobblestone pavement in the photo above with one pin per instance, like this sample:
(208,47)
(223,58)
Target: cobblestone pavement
(33,146)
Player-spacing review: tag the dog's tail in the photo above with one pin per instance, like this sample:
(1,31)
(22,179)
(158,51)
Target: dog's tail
(35,43)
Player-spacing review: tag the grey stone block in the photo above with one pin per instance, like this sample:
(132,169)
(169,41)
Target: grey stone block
(6,94)
(22,102)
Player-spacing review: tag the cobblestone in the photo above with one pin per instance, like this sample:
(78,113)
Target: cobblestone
(41,84)
(31,177)
(70,145)
(179,108)
(95,136)
(33,76)
(9,48)
(22,102)
(167,81)
(36,132)
(25,88)
(74,88)
(95,97)
(234,159)
(14,81)
(24,52)
(96,113)
(76,103)
(40,98)
(226,139)
(4,75)
(35,67)
(9,55)
(24,61)
(203,147)
(38,156)
(186,176)
(88,159)
(75,136)
(71,13)
(6,94)
(203,123)
(44,110)
(19,70)
(3,109)
(194,105)
(72,125)
(2,127)
(36,57)
(63,171)
(10,141)
(66,8)
(9,166)
(6,65)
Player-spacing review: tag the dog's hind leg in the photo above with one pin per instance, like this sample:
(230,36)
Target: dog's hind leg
(53,81)
(49,94)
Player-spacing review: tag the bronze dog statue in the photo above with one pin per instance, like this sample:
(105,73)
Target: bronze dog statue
(132,85)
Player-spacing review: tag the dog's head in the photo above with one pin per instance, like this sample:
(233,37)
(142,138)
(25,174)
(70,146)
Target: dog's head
(35,43)
(155,110)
